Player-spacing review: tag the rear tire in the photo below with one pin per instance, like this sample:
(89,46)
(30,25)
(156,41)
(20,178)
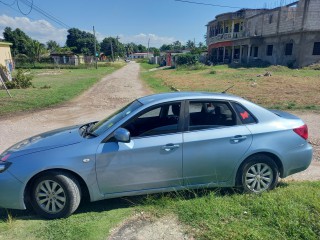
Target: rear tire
(55,195)
(259,174)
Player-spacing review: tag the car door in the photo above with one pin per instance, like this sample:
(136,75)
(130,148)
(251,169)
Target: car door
(214,142)
(151,160)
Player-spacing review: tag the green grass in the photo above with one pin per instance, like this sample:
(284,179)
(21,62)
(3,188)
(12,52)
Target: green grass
(285,89)
(52,87)
(155,83)
(291,211)
(91,221)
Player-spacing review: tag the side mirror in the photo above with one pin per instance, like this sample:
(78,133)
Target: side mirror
(122,135)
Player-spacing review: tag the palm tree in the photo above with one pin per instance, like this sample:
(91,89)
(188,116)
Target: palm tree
(190,44)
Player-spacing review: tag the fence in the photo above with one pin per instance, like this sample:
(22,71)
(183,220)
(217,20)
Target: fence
(58,61)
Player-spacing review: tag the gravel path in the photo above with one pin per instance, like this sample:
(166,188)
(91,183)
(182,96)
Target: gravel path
(112,92)
(109,94)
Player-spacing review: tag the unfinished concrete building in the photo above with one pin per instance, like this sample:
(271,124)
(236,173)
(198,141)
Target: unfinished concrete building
(287,35)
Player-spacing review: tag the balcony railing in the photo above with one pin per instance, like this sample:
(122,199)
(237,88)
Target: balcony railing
(226,36)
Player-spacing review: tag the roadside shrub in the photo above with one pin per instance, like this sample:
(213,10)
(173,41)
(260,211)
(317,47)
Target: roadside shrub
(20,81)
(196,66)
(187,59)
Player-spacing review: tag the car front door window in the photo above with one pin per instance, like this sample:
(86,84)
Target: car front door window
(159,120)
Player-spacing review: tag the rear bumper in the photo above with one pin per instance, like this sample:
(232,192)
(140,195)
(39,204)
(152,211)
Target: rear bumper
(297,160)
(11,192)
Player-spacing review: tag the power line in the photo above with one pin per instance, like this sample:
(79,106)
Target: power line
(10,4)
(37,9)
(225,6)
(44,13)
(31,7)
(207,4)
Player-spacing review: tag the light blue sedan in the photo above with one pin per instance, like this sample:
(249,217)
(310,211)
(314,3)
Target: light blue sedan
(158,143)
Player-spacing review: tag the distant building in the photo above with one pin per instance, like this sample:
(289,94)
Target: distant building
(6,58)
(287,35)
(140,55)
(66,58)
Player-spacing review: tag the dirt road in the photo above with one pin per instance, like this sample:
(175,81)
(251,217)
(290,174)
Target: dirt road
(112,92)
(105,97)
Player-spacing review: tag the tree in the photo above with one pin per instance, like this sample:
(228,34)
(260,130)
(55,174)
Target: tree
(177,46)
(202,46)
(20,41)
(190,45)
(118,48)
(155,51)
(82,42)
(35,50)
(53,46)
(142,48)
(166,47)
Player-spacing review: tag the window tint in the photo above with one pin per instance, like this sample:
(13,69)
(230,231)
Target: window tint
(269,50)
(288,50)
(209,114)
(244,115)
(162,119)
(255,53)
(316,48)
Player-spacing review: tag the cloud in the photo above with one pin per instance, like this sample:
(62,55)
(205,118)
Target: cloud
(142,38)
(44,31)
(40,30)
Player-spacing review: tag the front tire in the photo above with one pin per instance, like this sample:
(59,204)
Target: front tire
(55,195)
(259,174)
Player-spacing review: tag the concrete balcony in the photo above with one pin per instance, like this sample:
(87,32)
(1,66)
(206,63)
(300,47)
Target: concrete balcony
(226,37)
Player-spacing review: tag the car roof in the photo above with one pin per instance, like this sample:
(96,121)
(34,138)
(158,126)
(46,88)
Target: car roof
(174,96)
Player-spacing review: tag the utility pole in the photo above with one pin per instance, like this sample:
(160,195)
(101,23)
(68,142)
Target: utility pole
(95,48)
(148,48)
(117,38)
(111,49)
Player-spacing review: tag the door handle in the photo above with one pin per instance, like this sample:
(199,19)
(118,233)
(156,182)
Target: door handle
(238,138)
(170,147)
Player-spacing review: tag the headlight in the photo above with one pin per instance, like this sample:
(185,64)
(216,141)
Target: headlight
(4,165)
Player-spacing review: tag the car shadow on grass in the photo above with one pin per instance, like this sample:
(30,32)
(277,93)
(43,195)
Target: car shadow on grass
(126,202)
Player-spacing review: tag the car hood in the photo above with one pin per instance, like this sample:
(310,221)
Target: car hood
(48,140)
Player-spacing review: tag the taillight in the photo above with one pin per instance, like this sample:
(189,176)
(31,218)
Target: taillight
(302,131)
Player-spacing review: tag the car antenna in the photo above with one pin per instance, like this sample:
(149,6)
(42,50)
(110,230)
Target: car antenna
(228,89)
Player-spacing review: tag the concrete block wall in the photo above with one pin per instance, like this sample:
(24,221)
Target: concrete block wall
(270,27)
(290,20)
(312,21)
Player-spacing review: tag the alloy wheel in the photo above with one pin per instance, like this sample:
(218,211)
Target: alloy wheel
(50,196)
(259,177)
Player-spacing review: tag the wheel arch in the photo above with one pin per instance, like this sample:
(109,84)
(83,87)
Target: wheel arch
(85,194)
(274,157)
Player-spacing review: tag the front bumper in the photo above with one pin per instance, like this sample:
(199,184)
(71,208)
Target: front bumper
(11,192)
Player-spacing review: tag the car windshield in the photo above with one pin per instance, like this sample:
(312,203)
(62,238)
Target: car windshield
(109,121)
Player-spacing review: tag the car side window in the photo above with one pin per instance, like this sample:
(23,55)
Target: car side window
(162,119)
(244,115)
(210,114)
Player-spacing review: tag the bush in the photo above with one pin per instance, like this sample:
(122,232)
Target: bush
(194,67)
(187,59)
(20,81)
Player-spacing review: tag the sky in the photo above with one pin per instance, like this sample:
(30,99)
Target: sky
(161,21)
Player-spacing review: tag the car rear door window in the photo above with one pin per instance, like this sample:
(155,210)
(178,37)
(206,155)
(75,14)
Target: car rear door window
(244,115)
(210,114)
